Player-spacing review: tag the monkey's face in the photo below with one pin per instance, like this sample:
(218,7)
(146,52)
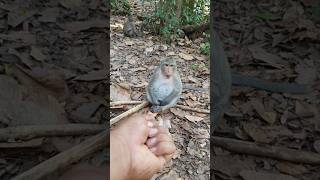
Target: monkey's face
(168,70)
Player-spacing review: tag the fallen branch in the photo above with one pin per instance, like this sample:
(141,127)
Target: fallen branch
(128,113)
(34,143)
(64,159)
(118,103)
(193,109)
(29,132)
(279,153)
(76,153)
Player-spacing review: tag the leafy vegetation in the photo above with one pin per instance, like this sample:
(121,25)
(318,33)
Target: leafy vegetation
(194,66)
(120,5)
(205,48)
(171,15)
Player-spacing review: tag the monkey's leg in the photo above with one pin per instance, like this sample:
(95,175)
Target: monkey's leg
(167,122)
(160,121)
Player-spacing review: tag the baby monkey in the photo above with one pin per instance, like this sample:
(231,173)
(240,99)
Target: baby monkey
(129,28)
(165,87)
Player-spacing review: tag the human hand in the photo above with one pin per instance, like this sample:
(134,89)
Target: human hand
(139,148)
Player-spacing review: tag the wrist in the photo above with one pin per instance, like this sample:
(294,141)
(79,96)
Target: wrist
(119,157)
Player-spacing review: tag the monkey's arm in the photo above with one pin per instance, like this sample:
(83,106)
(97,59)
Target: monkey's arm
(173,97)
(170,101)
(150,90)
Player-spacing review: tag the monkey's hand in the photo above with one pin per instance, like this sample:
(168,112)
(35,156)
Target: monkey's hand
(155,109)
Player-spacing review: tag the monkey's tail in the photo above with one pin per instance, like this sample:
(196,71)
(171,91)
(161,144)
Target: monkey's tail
(244,80)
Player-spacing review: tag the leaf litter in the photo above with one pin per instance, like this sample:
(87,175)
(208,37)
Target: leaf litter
(132,62)
(281,37)
(44,80)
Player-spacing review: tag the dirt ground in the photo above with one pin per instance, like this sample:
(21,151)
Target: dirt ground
(52,71)
(132,62)
(277,41)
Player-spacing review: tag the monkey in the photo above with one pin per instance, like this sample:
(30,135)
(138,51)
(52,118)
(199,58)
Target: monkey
(165,87)
(129,28)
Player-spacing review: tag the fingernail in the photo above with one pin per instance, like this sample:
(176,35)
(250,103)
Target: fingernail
(153,149)
(150,124)
(153,131)
(152,141)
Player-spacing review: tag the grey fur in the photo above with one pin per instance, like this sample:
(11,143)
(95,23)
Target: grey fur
(160,96)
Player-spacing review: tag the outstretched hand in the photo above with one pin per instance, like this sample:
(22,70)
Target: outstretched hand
(139,148)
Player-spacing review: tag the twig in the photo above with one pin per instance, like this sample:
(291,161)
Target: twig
(29,132)
(60,161)
(129,112)
(178,106)
(118,103)
(279,153)
(193,109)
(25,144)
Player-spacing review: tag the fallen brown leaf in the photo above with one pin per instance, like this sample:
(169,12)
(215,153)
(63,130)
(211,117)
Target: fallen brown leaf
(194,119)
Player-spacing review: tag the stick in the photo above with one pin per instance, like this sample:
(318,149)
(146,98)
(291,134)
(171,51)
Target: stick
(193,109)
(25,144)
(117,103)
(279,153)
(29,132)
(60,161)
(129,112)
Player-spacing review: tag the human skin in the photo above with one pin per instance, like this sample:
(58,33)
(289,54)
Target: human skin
(138,149)
(145,148)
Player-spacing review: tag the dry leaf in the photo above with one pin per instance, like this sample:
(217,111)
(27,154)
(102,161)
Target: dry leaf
(78,26)
(171,53)
(232,165)
(254,175)
(118,93)
(37,54)
(148,51)
(194,119)
(92,76)
(262,55)
(187,57)
(269,117)
(290,168)
(303,108)
(49,15)
(129,42)
(178,112)
(256,133)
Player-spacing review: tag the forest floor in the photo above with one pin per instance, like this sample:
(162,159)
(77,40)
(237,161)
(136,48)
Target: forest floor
(277,41)
(132,62)
(52,71)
